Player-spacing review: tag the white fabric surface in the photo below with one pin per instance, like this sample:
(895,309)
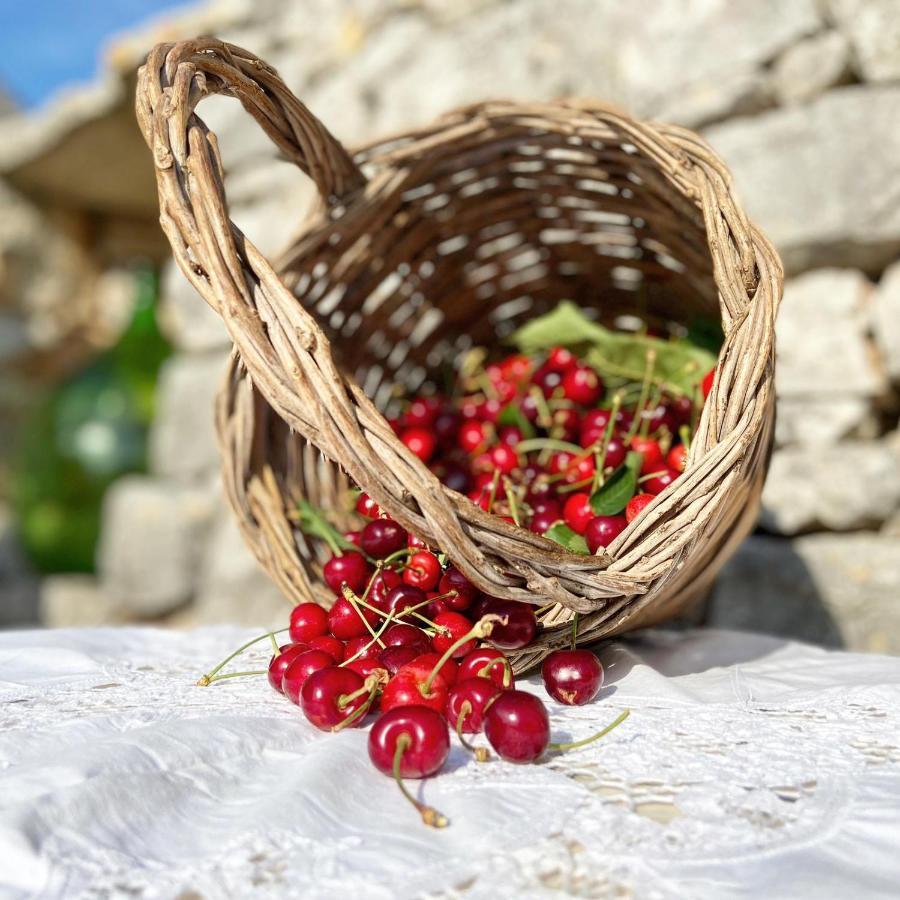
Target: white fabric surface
(750,767)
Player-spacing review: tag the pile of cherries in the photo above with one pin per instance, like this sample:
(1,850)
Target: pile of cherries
(534,438)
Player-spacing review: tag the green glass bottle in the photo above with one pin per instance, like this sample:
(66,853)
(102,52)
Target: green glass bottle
(83,435)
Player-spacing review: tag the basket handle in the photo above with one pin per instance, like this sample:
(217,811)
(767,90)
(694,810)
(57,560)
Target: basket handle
(177,76)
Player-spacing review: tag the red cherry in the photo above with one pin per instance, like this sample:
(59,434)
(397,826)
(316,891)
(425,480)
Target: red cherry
(601,531)
(364,666)
(503,458)
(677,458)
(350,569)
(394,657)
(547,380)
(449,670)
(436,607)
(472,435)
(510,436)
(658,483)
(422,570)
(636,505)
(477,693)
(582,385)
(486,662)
(331,696)
(429,741)
(466,592)
(615,453)
(517,726)
(403,635)
(367,507)
(546,504)
(517,368)
(412,742)
(596,418)
(302,666)
(354,537)
(577,512)
(308,620)
(281,660)
(573,677)
(403,597)
(682,409)
(420,441)
(707,384)
(414,542)
(330,645)
(520,627)
(345,622)
(446,427)
(422,412)
(451,627)
(382,537)
(382,584)
(407,686)
(541,521)
(561,359)
(651,454)
(362,645)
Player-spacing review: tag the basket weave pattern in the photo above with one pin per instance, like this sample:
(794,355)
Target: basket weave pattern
(425,244)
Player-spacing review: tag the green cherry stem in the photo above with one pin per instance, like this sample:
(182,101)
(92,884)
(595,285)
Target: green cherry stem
(481,629)
(480,753)
(572,745)
(430,816)
(210,675)
(355,602)
(216,678)
(645,390)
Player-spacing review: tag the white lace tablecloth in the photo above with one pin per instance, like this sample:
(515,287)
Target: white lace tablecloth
(750,767)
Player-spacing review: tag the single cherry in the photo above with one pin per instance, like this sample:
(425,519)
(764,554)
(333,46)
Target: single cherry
(382,537)
(467,702)
(345,621)
(651,454)
(333,696)
(300,668)
(572,676)
(403,635)
(281,660)
(403,597)
(420,441)
(486,662)
(601,531)
(659,482)
(517,726)
(411,742)
(367,507)
(308,620)
(636,505)
(393,658)
(582,385)
(350,569)
(422,570)
(520,627)
(451,626)
(677,458)
(466,592)
(577,512)
(330,645)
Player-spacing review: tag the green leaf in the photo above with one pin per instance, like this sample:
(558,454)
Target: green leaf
(312,522)
(678,366)
(512,415)
(566,537)
(613,496)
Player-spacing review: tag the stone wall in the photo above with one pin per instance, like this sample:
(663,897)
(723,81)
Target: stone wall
(801,98)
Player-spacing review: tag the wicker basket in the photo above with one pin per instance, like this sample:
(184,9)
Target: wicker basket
(426,243)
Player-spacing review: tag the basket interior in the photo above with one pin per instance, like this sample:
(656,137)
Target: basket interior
(473,235)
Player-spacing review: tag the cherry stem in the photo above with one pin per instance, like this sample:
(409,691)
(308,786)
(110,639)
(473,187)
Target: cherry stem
(495,481)
(216,678)
(275,648)
(650,475)
(368,687)
(210,675)
(358,713)
(685,434)
(572,745)
(430,816)
(607,437)
(397,554)
(481,629)
(354,601)
(645,390)
(400,615)
(485,670)
(548,444)
(480,753)
(511,499)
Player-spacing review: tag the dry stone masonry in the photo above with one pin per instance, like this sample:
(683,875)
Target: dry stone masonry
(802,99)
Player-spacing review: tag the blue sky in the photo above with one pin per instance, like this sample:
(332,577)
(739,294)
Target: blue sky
(47,44)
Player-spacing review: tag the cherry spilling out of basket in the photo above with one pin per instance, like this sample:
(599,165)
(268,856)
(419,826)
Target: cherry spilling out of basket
(571,436)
